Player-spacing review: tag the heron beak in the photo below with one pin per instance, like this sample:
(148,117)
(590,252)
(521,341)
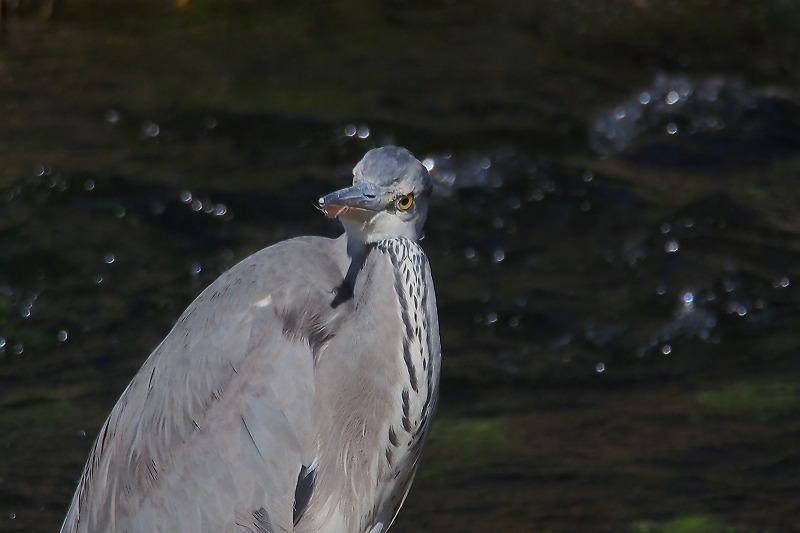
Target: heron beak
(359,202)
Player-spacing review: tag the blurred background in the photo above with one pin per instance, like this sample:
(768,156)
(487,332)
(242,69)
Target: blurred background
(615,236)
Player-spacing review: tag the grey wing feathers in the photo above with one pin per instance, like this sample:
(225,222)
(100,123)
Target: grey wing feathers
(250,438)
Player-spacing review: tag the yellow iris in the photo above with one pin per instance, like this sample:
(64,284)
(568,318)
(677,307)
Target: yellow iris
(405,202)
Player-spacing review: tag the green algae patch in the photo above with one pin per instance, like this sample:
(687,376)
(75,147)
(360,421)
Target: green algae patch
(686,524)
(764,399)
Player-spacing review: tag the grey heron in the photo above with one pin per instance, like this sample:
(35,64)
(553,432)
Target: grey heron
(295,393)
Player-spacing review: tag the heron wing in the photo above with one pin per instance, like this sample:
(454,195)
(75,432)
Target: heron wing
(215,431)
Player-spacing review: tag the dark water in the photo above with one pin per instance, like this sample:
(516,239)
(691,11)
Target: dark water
(615,238)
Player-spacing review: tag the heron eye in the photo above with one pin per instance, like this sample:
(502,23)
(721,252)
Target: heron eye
(404,202)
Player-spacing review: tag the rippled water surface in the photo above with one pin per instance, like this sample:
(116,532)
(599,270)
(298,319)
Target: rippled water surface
(615,236)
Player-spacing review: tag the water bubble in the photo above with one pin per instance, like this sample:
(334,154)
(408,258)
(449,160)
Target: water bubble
(2,342)
(62,335)
(661,289)
(688,222)
(186,197)
(18,348)
(350,130)
(109,258)
(498,223)
(666,349)
(471,254)
(688,298)
(619,113)
(587,176)
(195,269)
(12,515)
(429,163)
(88,185)
(644,98)
(491,318)
(363,132)
(25,312)
(672,128)
(498,255)
(119,211)
(82,434)
(600,367)
(485,163)
(197,205)
(220,210)
(98,278)
(210,123)
(665,228)
(513,321)
(111,116)
(671,247)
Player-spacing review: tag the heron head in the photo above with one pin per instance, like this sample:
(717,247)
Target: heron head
(388,198)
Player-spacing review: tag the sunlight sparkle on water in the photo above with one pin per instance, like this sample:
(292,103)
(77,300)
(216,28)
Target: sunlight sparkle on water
(150,130)
(671,247)
(672,97)
(111,116)
(780,283)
